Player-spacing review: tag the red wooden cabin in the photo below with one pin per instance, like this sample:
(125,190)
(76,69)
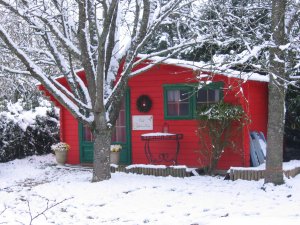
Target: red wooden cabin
(165,85)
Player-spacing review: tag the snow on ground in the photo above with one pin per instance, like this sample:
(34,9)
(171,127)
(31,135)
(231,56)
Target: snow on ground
(28,185)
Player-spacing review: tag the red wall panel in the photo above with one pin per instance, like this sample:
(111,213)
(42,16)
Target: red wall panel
(258,106)
(69,129)
(151,83)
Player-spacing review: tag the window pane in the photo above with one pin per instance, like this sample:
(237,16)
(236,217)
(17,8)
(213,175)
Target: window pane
(121,119)
(184,109)
(178,103)
(87,134)
(173,95)
(217,95)
(184,96)
(119,135)
(207,96)
(172,109)
(202,95)
(211,95)
(119,132)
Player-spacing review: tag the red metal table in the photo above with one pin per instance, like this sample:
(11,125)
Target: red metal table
(161,137)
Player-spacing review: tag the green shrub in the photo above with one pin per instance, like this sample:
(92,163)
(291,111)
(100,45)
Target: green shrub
(218,124)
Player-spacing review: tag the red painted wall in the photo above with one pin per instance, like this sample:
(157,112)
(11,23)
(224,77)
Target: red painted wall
(70,135)
(151,83)
(258,106)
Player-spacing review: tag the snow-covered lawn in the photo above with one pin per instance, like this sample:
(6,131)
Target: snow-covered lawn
(28,185)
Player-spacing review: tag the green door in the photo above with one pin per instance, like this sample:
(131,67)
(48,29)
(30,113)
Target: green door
(86,144)
(121,135)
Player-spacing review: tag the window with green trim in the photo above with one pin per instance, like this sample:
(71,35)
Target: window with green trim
(181,101)
(177,102)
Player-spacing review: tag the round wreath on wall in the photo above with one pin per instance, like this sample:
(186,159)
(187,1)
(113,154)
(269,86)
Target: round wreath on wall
(144,103)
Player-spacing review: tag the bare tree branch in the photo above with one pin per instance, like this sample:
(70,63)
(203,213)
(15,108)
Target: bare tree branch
(42,213)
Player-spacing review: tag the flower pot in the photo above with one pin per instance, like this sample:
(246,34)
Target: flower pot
(61,157)
(114,157)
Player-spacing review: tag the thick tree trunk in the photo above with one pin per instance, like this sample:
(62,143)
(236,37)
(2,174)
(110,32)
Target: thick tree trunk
(274,173)
(102,141)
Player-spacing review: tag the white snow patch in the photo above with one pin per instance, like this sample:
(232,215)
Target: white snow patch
(128,199)
(24,118)
(156,134)
(284,47)
(146,166)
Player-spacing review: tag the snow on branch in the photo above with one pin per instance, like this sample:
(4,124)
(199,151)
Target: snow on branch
(38,74)
(172,51)
(13,71)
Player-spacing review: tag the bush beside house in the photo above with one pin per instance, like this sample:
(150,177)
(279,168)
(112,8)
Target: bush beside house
(27,132)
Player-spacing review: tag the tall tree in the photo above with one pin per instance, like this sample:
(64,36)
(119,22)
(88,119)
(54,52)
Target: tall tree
(273,173)
(62,36)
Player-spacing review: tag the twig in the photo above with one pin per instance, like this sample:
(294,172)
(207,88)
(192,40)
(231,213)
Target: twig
(5,208)
(45,210)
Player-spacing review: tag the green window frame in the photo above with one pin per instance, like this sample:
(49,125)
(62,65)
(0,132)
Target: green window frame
(183,99)
(183,92)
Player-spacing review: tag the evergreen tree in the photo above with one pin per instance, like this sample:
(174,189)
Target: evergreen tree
(292,124)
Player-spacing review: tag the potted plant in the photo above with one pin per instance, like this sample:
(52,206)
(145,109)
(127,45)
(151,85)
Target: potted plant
(61,149)
(115,153)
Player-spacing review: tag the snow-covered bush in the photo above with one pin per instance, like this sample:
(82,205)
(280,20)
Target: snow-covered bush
(27,132)
(219,126)
(222,112)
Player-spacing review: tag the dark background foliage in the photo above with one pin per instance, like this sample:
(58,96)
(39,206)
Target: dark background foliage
(37,139)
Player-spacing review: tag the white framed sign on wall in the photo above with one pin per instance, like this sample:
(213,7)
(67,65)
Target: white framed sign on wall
(142,122)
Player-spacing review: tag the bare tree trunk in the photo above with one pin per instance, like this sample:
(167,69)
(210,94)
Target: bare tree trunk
(102,141)
(274,173)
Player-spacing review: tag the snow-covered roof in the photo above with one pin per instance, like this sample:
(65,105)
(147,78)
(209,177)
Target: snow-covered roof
(203,67)
(213,68)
